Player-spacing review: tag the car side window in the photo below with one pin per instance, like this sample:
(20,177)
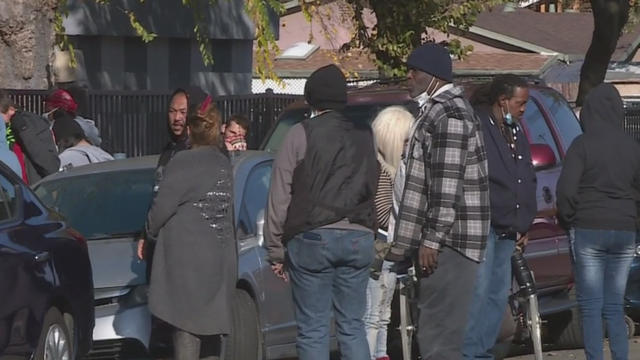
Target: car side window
(563,118)
(254,198)
(537,129)
(8,200)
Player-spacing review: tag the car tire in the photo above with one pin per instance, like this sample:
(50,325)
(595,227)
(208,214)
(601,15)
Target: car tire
(245,341)
(501,350)
(570,336)
(54,342)
(631,326)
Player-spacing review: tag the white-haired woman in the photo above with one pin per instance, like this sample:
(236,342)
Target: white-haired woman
(391,132)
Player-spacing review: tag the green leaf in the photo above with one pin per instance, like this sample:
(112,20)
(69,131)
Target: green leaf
(146,36)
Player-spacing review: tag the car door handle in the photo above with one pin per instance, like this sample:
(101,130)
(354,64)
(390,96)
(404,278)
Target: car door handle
(547,195)
(41,257)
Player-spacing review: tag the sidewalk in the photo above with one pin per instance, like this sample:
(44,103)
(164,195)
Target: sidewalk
(634,353)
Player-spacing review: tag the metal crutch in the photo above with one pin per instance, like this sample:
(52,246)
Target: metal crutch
(527,293)
(405,286)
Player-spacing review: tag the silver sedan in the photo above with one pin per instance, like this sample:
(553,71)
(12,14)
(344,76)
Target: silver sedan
(108,202)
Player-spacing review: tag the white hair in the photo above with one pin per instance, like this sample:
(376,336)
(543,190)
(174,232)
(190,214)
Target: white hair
(391,130)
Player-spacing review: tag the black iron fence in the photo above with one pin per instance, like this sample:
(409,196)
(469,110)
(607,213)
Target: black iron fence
(135,122)
(632,117)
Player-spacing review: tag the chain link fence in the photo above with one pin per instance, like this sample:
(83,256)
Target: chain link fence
(295,86)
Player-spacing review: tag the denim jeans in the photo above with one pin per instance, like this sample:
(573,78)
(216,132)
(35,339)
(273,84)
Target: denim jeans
(490,297)
(602,259)
(329,270)
(378,312)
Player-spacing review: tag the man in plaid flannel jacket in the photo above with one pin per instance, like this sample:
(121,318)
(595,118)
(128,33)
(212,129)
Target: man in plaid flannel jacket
(444,208)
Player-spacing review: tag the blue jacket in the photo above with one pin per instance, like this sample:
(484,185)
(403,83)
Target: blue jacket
(512,178)
(7,156)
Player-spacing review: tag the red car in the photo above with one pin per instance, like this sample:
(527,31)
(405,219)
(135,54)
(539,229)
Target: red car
(550,125)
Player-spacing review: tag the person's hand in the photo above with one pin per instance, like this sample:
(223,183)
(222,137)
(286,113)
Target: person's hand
(278,269)
(141,248)
(239,146)
(236,143)
(523,240)
(428,259)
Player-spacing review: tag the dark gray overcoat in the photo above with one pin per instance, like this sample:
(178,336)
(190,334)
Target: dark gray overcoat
(195,261)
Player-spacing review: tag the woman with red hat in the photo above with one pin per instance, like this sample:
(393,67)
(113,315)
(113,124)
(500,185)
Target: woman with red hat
(61,102)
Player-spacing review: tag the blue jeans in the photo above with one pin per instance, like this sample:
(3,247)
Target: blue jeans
(602,259)
(490,297)
(378,313)
(329,270)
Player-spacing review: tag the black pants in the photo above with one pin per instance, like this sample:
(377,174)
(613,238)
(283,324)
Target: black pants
(188,346)
(444,299)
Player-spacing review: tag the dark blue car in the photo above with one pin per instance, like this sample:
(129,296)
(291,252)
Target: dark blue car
(46,286)
(632,296)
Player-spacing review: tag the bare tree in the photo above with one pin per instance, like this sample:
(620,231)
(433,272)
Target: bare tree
(609,17)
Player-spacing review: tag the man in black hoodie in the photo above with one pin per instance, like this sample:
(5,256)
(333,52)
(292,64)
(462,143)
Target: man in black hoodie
(177,120)
(596,201)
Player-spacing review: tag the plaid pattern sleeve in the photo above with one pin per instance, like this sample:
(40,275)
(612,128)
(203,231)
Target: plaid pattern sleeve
(446,195)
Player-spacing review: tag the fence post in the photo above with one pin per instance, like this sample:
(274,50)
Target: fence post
(269,104)
(268,120)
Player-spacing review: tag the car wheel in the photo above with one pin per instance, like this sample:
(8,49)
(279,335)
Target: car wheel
(631,326)
(570,334)
(502,350)
(54,342)
(245,341)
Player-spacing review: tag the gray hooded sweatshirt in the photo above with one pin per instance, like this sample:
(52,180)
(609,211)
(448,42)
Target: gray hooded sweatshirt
(82,155)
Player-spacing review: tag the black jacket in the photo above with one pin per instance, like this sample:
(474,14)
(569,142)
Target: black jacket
(512,179)
(33,133)
(596,189)
(169,151)
(337,177)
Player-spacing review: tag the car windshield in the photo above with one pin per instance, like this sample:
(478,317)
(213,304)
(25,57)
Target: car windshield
(288,119)
(101,205)
(564,119)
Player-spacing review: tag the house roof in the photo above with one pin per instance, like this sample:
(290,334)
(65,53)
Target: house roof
(357,63)
(512,63)
(566,33)
(360,64)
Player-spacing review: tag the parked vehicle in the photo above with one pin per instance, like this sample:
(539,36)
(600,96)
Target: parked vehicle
(46,288)
(550,126)
(115,197)
(632,295)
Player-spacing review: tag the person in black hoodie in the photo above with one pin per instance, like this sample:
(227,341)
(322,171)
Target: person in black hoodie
(596,201)
(181,103)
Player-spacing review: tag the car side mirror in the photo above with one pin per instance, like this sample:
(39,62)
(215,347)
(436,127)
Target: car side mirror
(260,227)
(542,156)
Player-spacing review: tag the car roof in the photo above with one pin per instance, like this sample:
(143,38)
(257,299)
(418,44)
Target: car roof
(238,158)
(397,92)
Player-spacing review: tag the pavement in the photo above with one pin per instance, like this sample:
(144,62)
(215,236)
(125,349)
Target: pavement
(578,354)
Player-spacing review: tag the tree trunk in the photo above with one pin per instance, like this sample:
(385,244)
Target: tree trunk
(609,17)
(26,43)
(577,4)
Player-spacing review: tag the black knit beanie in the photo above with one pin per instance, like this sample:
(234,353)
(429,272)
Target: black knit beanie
(433,59)
(326,89)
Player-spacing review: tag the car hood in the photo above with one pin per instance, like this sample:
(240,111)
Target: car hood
(115,264)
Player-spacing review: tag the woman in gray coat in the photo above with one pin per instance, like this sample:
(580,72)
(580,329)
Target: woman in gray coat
(195,261)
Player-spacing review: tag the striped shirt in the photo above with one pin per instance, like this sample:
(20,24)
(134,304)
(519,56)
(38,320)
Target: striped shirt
(384,198)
